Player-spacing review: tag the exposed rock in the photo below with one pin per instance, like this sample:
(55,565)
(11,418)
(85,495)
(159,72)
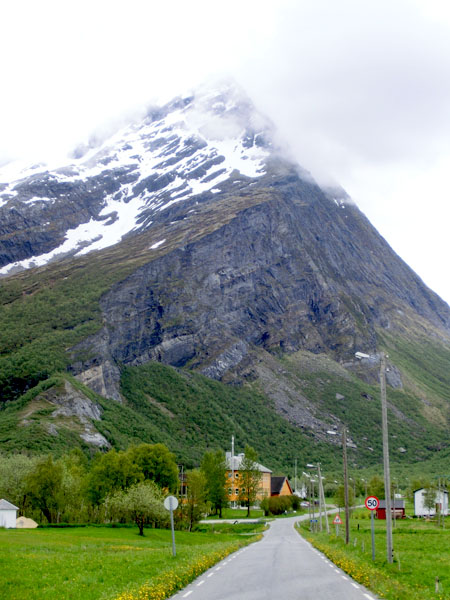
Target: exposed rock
(51,428)
(74,404)
(393,377)
(102,379)
(95,439)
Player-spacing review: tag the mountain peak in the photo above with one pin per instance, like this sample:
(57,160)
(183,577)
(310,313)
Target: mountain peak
(192,145)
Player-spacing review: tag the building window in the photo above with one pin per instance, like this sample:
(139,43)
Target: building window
(237,491)
(229,491)
(236,475)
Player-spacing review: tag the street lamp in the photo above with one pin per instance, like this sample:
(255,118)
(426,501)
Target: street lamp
(321,495)
(387,476)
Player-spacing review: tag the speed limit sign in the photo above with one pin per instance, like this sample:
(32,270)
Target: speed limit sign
(372,502)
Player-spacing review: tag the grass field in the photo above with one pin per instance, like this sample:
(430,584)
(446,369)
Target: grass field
(239,513)
(99,563)
(421,553)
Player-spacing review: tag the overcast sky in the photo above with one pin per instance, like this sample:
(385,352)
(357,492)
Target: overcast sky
(360,90)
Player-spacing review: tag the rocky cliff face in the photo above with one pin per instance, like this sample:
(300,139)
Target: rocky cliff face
(300,270)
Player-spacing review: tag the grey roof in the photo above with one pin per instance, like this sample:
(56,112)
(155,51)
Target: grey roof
(5,505)
(276,484)
(234,464)
(443,490)
(397,503)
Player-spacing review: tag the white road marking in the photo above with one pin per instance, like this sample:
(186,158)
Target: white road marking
(356,586)
(210,575)
(201,582)
(367,596)
(218,569)
(337,570)
(187,594)
(344,577)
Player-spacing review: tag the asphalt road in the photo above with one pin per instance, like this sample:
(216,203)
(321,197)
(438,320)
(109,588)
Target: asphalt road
(282,565)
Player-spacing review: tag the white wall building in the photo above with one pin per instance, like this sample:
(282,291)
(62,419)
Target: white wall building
(419,507)
(8,514)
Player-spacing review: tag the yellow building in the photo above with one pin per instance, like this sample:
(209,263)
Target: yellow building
(234,478)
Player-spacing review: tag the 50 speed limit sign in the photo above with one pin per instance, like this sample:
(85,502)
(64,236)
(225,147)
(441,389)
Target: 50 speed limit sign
(372,502)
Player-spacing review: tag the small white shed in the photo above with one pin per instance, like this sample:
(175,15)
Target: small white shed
(441,500)
(8,514)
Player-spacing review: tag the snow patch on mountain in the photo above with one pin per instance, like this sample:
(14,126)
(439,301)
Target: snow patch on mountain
(188,147)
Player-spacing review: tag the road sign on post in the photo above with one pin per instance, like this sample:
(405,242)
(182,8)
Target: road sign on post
(372,503)
(171,503)
(337,521)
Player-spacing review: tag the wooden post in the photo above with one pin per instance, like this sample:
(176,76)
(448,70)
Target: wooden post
(347,510)
(387,476)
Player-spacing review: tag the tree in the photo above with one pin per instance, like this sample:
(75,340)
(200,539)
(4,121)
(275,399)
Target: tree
(196,497)
(429,498)
(74,505)
(156,463)
(250,478)
(339,497)
(376,487)
(43,487)
(112,471)
(214,468)
(143,503)
(14,471)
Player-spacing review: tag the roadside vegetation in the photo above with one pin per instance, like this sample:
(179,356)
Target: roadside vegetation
(128,555)
(100,563)
(421,556)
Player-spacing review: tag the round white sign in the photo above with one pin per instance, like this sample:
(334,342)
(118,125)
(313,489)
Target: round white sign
(170,503)
(372,502)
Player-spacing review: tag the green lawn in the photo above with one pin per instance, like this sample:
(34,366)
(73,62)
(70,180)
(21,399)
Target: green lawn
(90,563)
(421,553)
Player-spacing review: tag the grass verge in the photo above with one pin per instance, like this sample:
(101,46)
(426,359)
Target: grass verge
(94,563)
(421,553)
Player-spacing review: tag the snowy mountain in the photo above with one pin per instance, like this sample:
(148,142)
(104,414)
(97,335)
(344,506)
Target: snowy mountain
(191,146)
(189,240)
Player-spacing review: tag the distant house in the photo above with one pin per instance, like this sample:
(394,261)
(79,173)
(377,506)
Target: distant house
(397,509)
(234,478)
(8,514)
(279,486)
(441,502)
(301,492)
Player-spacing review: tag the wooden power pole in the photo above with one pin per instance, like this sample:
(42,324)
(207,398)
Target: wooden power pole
(347,509)
(387,475)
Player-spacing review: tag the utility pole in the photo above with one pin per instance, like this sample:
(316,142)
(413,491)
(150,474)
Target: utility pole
(320,502)
(439,503)
(387,475)
(347,511)
(322,497)
(310,502)
(233,486)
